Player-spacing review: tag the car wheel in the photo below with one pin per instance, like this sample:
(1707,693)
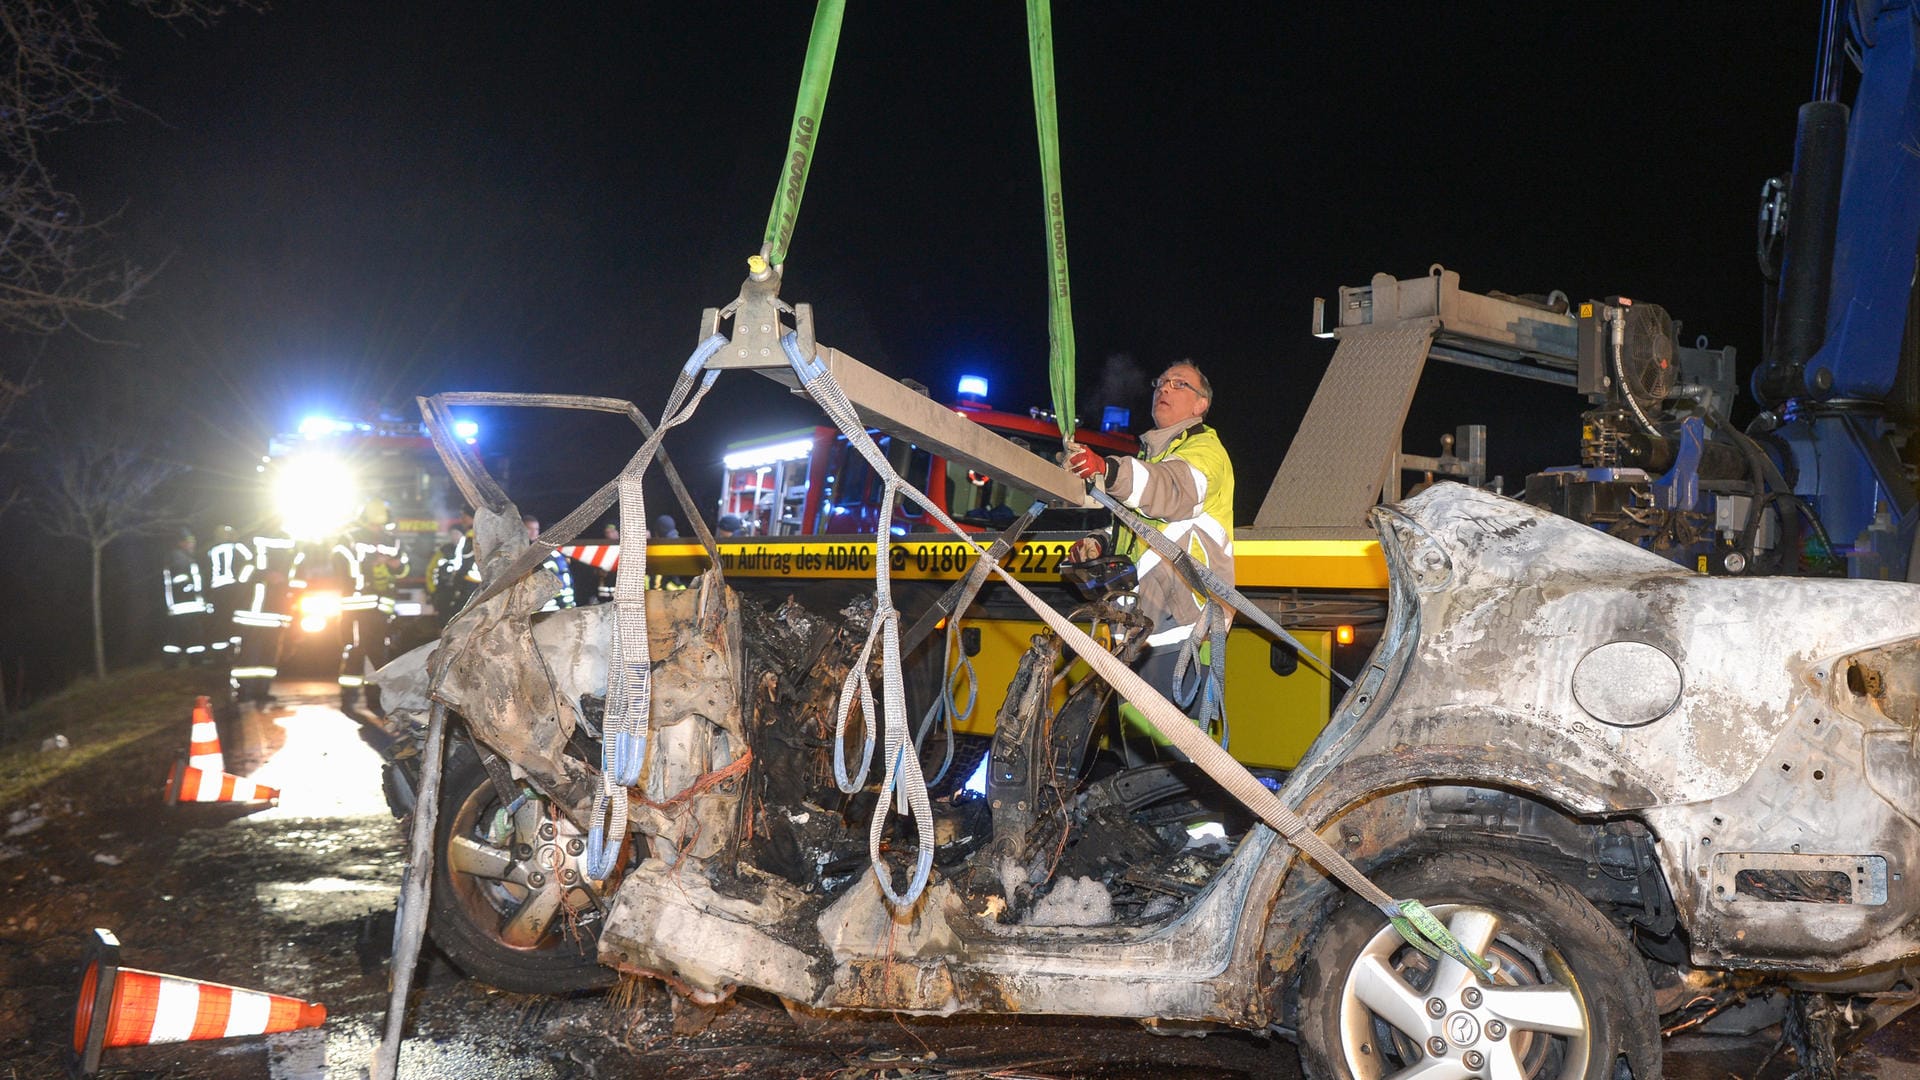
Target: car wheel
(510,902)
(1569,1000)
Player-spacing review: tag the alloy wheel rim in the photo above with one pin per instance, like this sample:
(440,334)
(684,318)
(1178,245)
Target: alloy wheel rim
(1402,1013)
(528,892)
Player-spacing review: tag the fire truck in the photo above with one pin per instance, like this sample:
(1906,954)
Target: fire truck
(317,479)
(808,481)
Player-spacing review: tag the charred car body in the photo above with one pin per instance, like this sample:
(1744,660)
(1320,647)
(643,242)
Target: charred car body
(1648,798)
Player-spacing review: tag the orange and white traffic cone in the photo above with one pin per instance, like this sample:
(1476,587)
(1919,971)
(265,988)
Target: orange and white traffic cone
(127,1007)
(203,751)
(188,784)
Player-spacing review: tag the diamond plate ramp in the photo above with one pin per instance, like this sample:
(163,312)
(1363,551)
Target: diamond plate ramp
(1339,459)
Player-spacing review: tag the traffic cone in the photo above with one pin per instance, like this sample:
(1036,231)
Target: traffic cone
(127,1007)
(188,784)
(203,751)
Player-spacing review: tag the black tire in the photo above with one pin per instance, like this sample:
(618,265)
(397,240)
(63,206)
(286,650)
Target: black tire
(1543,933)
(479,885)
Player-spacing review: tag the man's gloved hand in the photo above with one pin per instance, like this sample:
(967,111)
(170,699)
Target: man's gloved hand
(1087,548)
(1084,463)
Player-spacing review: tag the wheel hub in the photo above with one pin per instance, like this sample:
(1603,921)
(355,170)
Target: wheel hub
(523,873)
(1463,1029)
(549,861)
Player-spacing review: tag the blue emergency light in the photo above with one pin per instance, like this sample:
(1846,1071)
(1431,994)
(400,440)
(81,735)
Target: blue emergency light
(318,425)
(1116,418)
(466,429)
(973,386)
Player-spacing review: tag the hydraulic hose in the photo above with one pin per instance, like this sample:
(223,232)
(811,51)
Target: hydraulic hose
(1616,348)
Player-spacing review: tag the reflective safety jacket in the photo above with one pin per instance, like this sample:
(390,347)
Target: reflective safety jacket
(361,560)
(557,563)
(182,585)
(454,574)
(456,565)
(268,600)
(229,563)
(1182,481)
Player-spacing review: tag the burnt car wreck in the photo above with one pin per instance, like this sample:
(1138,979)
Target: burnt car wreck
(1648,799)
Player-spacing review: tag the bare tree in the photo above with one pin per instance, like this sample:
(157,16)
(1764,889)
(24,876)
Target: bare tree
(11,392)
(55,268)
(99,494)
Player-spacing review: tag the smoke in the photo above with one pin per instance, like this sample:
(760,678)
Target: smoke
(1122,381)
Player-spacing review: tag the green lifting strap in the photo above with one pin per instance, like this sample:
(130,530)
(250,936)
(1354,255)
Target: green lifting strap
(812,100)
(1060,296)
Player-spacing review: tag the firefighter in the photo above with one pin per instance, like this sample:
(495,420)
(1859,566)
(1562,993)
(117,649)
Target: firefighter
(369,562)
(230,569)
(186,635)
(455,572)
(1182,481)
(557,563)
(261,620)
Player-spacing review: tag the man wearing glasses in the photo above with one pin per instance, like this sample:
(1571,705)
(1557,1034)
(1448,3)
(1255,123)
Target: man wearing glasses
(1183,481)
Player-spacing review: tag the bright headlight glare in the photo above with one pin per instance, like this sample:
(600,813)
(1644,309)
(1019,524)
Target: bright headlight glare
(317,609)
(315,496)
(323,604)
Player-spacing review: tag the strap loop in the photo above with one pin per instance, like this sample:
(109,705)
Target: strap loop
(623,737)
(1427,933)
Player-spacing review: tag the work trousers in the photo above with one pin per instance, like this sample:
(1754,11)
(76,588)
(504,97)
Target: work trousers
(256,662)
(222,636)
(186,638)
(366,646)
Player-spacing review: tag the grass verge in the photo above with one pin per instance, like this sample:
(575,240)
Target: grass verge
(98,717)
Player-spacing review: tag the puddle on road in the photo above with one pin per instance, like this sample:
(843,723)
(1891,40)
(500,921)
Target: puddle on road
(322,766)
(325,900)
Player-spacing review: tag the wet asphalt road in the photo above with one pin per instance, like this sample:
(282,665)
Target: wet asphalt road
(298,899)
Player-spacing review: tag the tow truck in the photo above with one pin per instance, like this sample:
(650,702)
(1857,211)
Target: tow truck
(812,507)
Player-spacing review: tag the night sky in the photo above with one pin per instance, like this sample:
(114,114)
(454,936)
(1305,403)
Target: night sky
(367,201)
